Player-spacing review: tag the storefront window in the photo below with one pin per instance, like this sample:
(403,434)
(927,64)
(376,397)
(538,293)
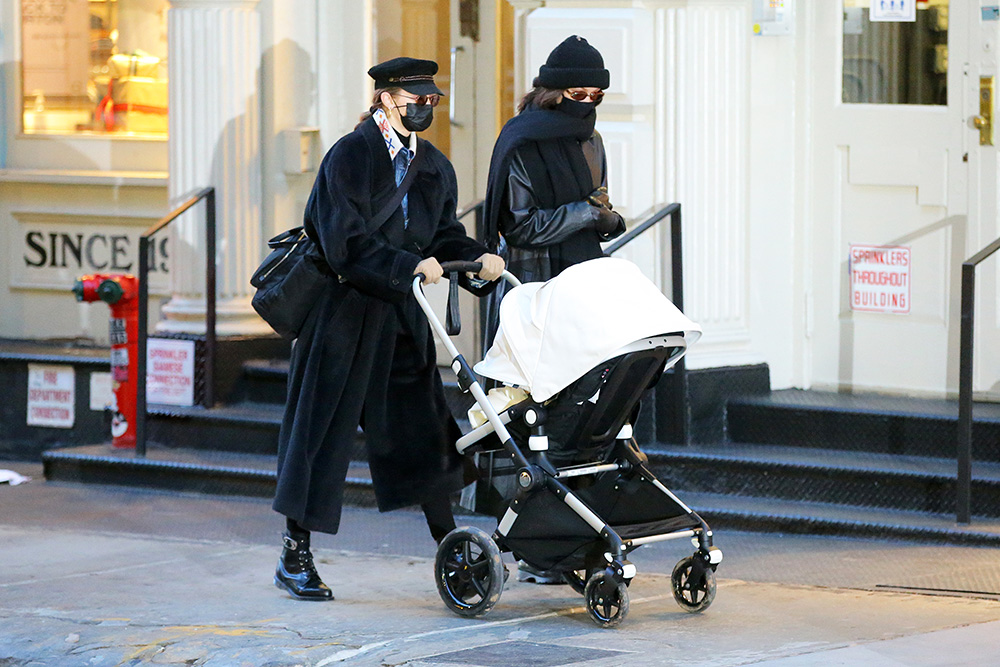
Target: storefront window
(895,52)
(94,67)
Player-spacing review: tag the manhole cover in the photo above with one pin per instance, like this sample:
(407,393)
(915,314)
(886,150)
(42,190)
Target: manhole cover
(521,652)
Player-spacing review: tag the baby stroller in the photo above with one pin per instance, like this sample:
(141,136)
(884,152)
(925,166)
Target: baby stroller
(558,466)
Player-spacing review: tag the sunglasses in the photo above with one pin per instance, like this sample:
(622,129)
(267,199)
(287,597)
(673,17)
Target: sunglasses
(579,96)
(421,100)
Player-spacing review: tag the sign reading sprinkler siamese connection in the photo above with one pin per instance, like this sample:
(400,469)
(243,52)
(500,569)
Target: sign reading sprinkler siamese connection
(170,371)
(880,278)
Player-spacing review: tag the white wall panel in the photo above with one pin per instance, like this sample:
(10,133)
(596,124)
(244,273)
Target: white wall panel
(703,92)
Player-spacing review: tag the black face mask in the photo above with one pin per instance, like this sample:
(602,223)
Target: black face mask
(574,108)
(418,117)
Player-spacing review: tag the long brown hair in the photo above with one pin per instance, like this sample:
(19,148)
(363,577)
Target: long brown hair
(541,97)
(376,103)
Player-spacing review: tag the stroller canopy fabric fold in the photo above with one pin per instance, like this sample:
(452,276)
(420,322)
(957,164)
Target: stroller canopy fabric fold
(552,333)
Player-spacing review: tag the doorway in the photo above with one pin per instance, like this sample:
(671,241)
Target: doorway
(472,43)
(898,168)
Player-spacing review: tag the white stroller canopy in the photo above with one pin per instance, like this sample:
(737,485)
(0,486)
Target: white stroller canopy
(552,333)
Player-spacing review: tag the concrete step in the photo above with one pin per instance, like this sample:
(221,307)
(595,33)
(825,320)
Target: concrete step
(265,382)
(861,423)
(250,428)
(229,473)
(723,511)
(924,484)
(193,470)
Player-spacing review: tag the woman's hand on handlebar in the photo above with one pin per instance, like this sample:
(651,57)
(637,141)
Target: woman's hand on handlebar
(431,270)
(493,266)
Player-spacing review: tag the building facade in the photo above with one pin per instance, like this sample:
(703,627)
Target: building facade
(827,156)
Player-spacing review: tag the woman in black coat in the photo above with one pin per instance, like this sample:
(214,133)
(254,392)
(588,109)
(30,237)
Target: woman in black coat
(547,204)
(365,355)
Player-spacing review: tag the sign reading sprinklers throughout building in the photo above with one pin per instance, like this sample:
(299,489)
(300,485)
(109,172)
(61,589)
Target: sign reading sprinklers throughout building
(880,278)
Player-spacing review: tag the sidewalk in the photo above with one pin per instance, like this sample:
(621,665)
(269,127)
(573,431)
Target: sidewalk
(109,576)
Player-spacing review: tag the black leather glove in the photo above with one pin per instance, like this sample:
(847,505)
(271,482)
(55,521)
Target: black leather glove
(607,221)
(599,197)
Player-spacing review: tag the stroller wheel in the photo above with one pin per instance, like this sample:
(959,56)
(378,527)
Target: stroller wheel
(469,571)
(693,587)
(607,599)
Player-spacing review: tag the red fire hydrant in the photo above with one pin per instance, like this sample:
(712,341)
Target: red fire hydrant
(121,292)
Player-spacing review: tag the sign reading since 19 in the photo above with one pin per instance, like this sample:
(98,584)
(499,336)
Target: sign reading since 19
(51,254)
(880,278)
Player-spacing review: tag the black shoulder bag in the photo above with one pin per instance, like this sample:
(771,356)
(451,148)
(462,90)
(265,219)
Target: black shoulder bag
(292,277)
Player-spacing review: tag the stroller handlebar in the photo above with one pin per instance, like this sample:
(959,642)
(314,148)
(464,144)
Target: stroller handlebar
(462,267)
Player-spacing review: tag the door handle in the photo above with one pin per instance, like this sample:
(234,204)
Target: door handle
(984,121)
(451,85)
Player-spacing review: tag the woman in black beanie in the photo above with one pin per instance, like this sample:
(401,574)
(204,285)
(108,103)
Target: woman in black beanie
(547,204)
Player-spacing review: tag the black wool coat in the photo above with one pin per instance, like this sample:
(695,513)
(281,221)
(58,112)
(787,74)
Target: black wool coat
(365,354)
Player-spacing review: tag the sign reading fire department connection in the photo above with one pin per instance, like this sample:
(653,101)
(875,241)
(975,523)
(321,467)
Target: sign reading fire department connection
(51,396)
(880,278)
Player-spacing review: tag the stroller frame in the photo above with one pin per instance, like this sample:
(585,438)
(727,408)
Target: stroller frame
(469,569)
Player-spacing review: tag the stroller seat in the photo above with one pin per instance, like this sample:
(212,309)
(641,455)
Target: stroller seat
(584,419)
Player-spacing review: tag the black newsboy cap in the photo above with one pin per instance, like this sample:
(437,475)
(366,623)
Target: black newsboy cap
(411,74)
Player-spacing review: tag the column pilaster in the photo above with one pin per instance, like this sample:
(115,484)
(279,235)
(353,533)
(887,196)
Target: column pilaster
(214,140)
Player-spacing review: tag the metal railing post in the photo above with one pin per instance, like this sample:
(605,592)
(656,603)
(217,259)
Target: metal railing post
(140,362)
(963,482)
(210,280)
(677,294)
(480,209)
(963,441)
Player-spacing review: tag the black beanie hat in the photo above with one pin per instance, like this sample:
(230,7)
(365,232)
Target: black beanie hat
(573,64)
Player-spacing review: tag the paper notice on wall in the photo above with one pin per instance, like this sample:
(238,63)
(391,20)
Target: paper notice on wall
(880,278)
(170,371)
(51,396)
(900,11)
(56,48)
(101,395)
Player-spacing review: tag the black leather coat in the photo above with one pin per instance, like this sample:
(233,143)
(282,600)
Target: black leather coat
(530,234)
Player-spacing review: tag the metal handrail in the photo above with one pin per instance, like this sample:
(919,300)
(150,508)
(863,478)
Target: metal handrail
(963,483)
(208,194)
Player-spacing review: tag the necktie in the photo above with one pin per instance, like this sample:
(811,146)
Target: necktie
(402,164)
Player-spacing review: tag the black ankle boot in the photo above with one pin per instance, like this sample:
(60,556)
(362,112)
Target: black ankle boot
(297,574)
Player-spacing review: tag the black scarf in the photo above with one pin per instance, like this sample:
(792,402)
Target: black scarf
(550,147)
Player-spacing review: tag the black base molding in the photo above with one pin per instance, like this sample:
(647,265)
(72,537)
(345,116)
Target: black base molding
(21,442)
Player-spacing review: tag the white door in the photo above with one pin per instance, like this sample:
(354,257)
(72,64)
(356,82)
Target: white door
(896,196)
(984,228)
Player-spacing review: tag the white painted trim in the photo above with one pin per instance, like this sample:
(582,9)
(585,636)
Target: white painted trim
(157,179)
